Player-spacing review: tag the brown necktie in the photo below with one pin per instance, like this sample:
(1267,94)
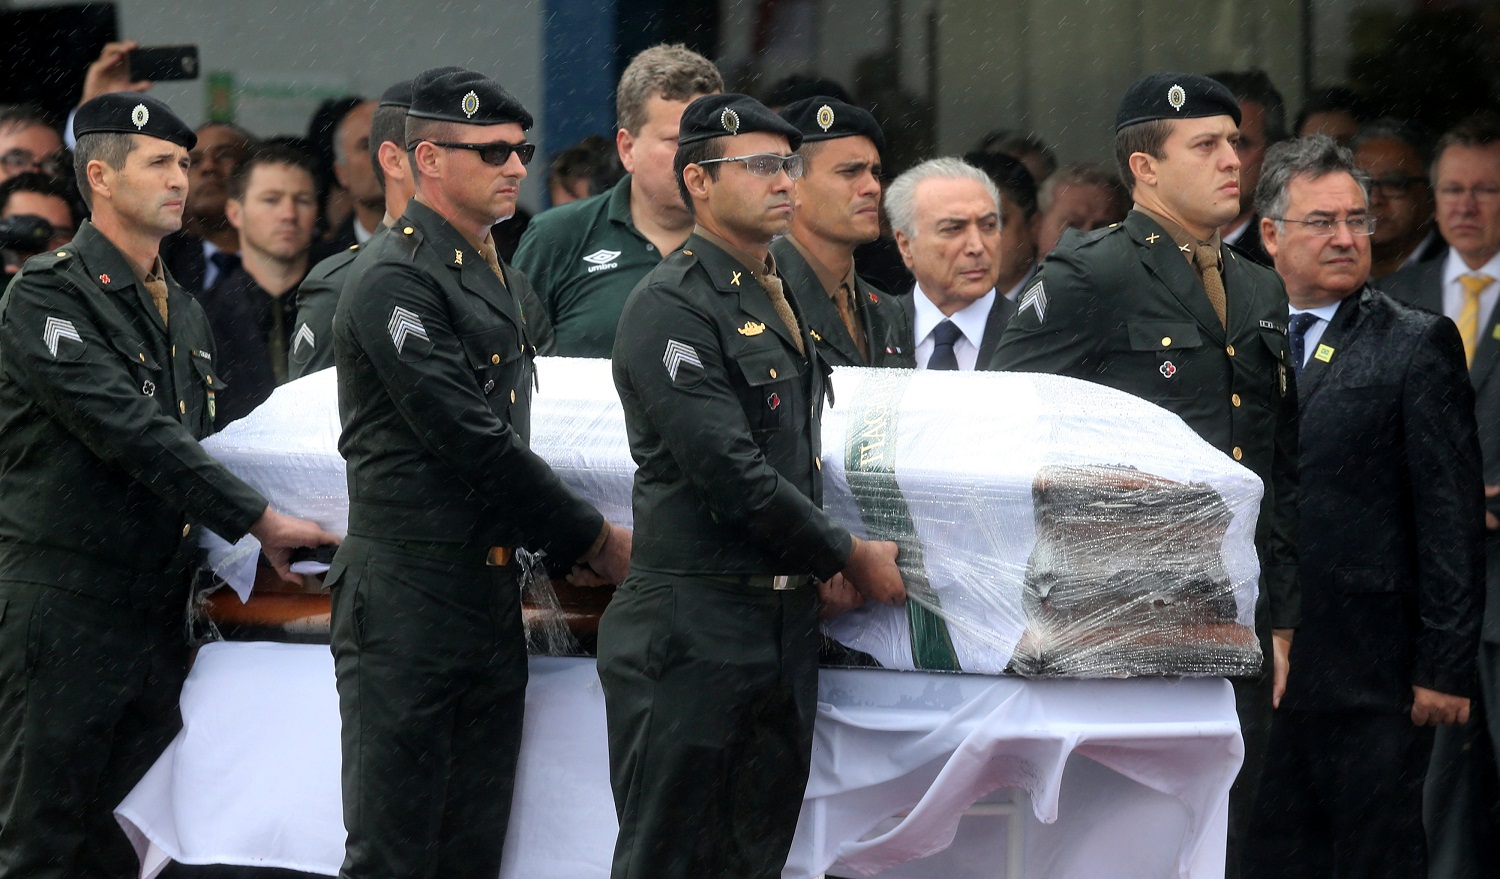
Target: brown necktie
(1207,259)
(157,287)
(487,250)
(1468,317)
(772,285)
(844,300)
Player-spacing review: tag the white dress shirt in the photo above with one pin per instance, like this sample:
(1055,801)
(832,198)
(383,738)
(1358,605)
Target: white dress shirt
(1314,333)
(1453,290)
(970,321)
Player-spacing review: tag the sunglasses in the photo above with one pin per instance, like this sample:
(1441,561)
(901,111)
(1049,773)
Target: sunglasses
(497,153)
(765,164)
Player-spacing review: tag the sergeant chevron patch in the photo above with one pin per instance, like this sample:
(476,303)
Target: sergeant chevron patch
(678,355)
(55,330)
(1035,298)
(305,336)
(404,326)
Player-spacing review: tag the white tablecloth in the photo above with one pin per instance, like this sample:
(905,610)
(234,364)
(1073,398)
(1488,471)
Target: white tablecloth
(1122,778)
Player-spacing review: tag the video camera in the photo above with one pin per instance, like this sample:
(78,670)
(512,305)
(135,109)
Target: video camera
(21,237)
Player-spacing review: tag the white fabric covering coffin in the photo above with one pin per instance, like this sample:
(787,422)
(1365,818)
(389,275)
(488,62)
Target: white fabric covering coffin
(966,449)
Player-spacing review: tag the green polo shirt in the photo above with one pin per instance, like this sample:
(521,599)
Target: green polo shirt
(584,258)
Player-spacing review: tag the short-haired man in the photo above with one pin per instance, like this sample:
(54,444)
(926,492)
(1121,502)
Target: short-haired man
(946,216)
(587,256)
(29,144)
(435,371)
(1262,124)
(1400,198)
(1464,286)
(107,382)
(207,248)
(273,204)
(48,198)
(1022,220)
(1157,307)
(1389,450)
(354,169)
(836,208)
(708,652)
(1082,197)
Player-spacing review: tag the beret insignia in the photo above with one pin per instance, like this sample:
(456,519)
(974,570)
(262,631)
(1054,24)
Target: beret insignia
(825,117)
(730,120)
(470,105)
(1176,97)
(140,116)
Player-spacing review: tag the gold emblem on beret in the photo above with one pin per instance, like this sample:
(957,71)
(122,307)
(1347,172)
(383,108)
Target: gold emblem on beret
(730,120)
(825,117)
(1176,97)
(140,116)
(470,105)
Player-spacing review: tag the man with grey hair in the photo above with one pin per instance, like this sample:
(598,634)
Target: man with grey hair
(946,216)
(1388,446)
(586,257)
(1084,197)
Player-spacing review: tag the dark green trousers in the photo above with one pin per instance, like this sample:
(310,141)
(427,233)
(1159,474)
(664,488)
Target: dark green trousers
(88,701)
(710,692)
(431,663)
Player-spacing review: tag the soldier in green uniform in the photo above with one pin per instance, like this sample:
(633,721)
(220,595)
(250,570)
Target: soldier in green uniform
(107,382)
(1157,307)
(837,208)
(587,256)
(318,296)
(708,652)
(434,359)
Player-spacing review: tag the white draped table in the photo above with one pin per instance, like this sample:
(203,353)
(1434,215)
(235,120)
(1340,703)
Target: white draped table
(1122,778)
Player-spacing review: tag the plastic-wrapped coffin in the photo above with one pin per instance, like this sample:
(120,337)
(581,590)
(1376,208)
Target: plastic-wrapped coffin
(1047,526)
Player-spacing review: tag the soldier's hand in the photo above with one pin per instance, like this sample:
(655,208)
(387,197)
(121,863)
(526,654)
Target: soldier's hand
(1281,663)
(608,560)
(279,534)
(1490,520)
(836,596)
(872,569)
(110,72)
(1431,708)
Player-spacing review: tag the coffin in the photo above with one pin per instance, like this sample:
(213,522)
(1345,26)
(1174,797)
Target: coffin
(1047,526)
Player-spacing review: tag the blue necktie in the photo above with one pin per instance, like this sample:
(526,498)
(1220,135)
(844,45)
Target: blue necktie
(1297,329)
(943,337)
(226,263)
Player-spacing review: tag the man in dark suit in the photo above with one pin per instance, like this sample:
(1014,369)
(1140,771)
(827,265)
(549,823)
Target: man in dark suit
(1020,220)
(1461,789)
(946,216)
(1262,125)
(1400,197)
(1390,542)
(207,248)
(837,208)
(1157,307)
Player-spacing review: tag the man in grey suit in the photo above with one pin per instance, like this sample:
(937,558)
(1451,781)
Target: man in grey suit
(946,216)
(1461,792)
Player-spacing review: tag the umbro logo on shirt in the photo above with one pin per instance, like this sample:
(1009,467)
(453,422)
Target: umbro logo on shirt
(600,260)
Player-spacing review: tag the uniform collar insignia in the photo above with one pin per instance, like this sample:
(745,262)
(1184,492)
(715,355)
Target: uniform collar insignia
(736,279)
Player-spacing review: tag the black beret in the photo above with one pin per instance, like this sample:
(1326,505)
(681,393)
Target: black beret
(1175,96)
(825,118)
(730,114)
(132,113)
(452,94)
(398,95)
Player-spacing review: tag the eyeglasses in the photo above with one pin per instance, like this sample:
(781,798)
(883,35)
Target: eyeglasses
(1323,228)
(19,160)
(1480,191)
(496,153)
(1394,186)
(765,164)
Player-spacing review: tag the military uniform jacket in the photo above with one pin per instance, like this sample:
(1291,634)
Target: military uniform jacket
(435,376)
(311,348)
(101,410)
(1122,307)
(887,329)
(724,417)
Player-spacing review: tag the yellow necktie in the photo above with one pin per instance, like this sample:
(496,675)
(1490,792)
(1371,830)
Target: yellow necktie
(487,250)
(1468,318)
(1207,259)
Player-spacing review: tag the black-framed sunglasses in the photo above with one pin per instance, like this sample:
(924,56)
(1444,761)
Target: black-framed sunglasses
(497,153)
(765,164)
